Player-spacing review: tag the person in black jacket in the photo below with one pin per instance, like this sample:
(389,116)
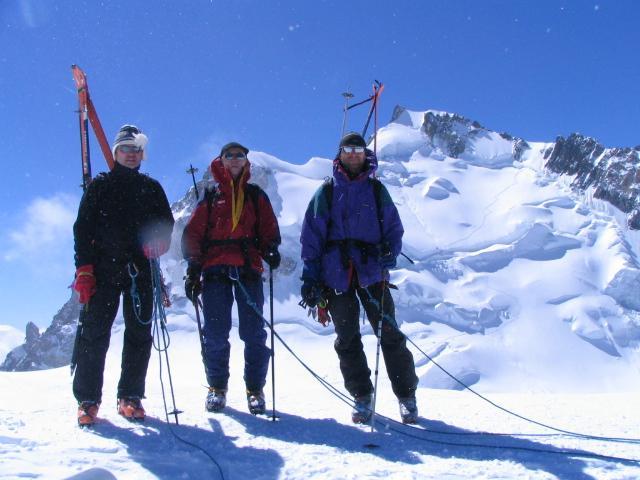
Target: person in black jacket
(124,219)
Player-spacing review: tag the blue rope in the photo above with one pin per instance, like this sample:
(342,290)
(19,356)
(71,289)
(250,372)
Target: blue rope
(467,387)
(159,327)
(346,399)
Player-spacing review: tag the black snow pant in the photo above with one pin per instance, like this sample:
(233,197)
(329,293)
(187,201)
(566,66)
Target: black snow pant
(97,318)
(345,311)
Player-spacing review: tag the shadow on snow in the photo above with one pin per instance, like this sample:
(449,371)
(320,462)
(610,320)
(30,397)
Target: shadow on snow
(403,443)
(153,446)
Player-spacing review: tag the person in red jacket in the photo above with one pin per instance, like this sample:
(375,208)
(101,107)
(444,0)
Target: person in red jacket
(224,242)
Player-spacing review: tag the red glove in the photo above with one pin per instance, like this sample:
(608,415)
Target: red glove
(155,248)
(85,283)
(323,313)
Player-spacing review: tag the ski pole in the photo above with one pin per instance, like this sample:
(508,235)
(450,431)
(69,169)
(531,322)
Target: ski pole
(378,341)
(192,170)
(76,342)
(273,353)
(159,328)
(347,96)
(375,120)
(377,90)
(196,305)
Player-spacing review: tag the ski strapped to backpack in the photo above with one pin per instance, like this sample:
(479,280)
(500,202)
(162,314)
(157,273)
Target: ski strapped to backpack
(374,98)
(210,195)
(87,113)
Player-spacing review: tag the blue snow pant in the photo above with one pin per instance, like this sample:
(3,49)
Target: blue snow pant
(218,292)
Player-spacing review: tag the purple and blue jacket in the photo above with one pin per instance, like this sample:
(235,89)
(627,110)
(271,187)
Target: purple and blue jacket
(349,225)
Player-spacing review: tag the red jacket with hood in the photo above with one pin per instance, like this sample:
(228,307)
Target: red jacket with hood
(223,243)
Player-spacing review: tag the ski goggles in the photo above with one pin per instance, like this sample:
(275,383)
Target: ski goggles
(239,156)
(353,149)
(129,149)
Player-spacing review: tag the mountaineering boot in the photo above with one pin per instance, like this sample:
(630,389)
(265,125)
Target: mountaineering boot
(216,399)
(408,410)
(131,409)
(256,402)
(87,413)
(362,409)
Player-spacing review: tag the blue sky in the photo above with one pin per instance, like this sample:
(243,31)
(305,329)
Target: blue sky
(194,75)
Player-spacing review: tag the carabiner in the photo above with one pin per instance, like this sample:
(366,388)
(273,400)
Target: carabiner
(132,275)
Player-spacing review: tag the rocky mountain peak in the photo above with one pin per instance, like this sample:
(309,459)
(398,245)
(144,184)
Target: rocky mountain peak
(454,134)
(50,349)
(611,172)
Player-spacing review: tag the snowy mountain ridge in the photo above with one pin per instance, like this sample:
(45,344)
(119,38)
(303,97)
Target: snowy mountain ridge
(515,272)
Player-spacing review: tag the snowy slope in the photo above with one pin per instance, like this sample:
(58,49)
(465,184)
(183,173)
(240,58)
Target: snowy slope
(514,273)
(521,288)
(313,438)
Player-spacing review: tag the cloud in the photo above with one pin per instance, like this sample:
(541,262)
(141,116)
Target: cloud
(34,13)
(46,230)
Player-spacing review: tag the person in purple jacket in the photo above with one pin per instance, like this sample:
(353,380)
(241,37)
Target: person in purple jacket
(350,239)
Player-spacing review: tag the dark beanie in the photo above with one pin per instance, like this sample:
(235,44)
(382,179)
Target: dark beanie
(353,139)
(233,145)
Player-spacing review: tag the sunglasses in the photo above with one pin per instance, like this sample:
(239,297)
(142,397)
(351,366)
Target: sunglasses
(130,149)
(239,156)
(353,149)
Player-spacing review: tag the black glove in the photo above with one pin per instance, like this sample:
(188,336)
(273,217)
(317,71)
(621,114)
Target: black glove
(192,283)
(311,293)
(388,262)
(272,257)
(386,259)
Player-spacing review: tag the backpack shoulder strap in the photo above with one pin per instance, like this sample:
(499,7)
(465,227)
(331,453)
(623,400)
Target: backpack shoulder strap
(377,193)
(327,191)
(254,192)
(210,195)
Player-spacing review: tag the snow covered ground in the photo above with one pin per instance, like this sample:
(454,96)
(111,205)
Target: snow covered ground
(313,437)
(521,288)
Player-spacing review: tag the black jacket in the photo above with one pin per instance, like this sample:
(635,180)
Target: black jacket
(119,212)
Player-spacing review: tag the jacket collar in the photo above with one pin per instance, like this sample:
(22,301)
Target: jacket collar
(223,178)
(342,176)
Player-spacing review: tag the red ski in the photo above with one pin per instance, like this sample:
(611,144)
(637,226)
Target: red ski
(87,113)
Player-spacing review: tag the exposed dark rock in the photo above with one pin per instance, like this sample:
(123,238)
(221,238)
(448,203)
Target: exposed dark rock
(519,147)
(51,349)
(450,132)
(612,172)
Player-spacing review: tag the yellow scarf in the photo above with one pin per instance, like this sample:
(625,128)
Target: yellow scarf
(236,203)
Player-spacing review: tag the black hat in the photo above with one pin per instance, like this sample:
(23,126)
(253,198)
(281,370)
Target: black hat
(353,139)
(129,135)
(233,145)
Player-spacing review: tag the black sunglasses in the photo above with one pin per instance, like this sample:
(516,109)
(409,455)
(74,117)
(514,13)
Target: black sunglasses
(130,149)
